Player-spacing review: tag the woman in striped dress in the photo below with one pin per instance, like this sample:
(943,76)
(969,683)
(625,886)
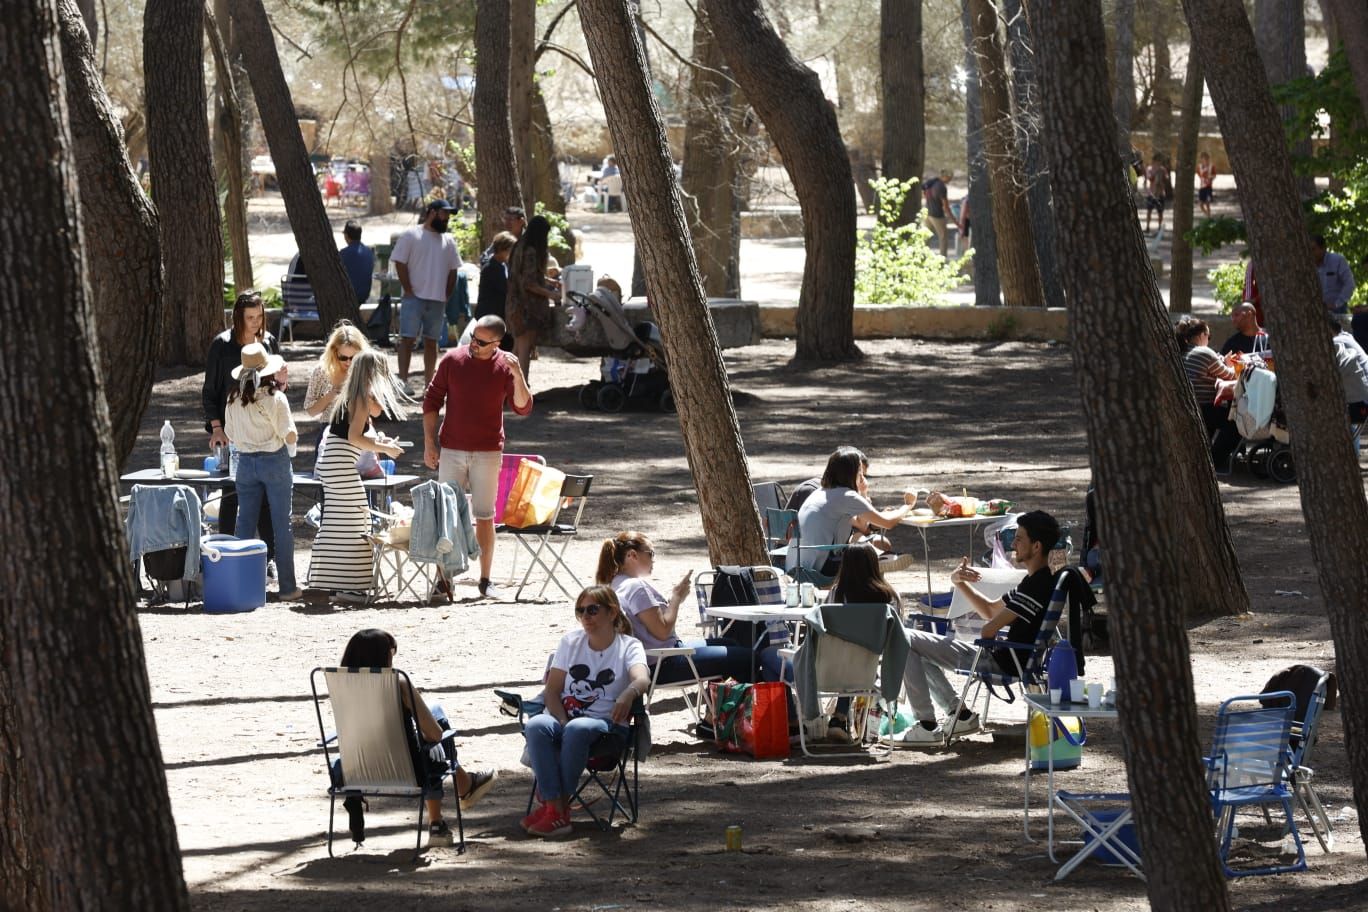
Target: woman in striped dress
(341,560)
(1204,368)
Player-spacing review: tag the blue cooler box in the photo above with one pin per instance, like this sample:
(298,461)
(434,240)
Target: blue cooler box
(234,574)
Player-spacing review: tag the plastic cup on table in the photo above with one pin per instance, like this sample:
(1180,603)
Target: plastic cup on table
(387,465)
(1094,695)
(1078,691)
(1056,694)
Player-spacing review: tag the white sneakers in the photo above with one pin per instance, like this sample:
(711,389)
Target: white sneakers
(963,726)
(916,733)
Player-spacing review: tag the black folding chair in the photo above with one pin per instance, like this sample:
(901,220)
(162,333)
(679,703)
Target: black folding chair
(540,539)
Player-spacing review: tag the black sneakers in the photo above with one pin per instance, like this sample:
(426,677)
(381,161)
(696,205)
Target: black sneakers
(439,834)
(356,817)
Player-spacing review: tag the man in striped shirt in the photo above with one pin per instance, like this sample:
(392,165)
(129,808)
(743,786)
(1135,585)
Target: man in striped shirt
(1020,611)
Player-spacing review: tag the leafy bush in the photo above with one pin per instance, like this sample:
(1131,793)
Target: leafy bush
(1227,285)
(467,234)
(1343,219)
(893,263)
(558,241)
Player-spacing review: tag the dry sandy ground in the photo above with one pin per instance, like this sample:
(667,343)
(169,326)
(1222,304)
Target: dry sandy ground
(929,829)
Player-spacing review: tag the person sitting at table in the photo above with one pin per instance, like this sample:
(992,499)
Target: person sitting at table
(1249,337)
(1204,368)
(258,422)
(839,509)
(860,581)
(325,384)
(341,559)
(625,563)
(596,674)
(1020,612)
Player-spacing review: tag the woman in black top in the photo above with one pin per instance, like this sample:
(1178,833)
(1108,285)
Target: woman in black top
(493,295)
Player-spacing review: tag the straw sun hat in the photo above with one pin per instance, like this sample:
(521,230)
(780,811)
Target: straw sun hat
(256,358)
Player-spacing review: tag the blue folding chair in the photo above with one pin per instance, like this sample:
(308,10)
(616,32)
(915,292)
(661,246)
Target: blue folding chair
(783,538)
(1250,765)
(1303,740)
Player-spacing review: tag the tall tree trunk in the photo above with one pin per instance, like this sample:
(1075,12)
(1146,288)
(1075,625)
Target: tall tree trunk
(1123,77)
(1011,217)
(1180,267)
(709,176)
(546,183)
(1026,95)
(125,257)
(522,38)
(88,19)
(70,647)
(183,185)
(788,97)
(228,145)
(1161,90)
(987,285)
(1351,19)
(1327,470)
(303,203)
(1132,435)
(496,164)
(712,437)
(904,97)
(381,193)
(1280,32)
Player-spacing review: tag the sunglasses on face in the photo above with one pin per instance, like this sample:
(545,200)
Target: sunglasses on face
(345,358)
(477,342)
(591,610)
(645,552)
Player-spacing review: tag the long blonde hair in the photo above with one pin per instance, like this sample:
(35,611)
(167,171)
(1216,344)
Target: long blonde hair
(344,333)
(369,377)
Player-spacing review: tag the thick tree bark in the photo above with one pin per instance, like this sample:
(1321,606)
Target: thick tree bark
(1280,32)
(1351,19)
(496,164)
(546,184)
(1011,216)
(987,286)
(712,437)
(70,647)
(1180,267)
(1123,76)
(904,96)
(303,203)
(228,144)
(1132,434)
(381,193)
(87,11)
(124,262)
(1161,88)
(1026,95)
(183,185)
(522,38)
(802,123)
(1327,470)
(711,148)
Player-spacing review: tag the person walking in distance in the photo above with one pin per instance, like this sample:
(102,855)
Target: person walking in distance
(426,259)
(473,383)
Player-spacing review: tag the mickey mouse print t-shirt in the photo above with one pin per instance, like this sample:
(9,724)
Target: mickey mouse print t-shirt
(593,679)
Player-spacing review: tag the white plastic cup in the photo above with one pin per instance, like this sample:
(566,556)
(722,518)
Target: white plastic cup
(1078,690)
(809,594)
(1094,695)
(1056,694)
(791,595)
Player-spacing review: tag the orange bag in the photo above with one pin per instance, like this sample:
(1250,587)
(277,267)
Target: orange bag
(533,498)
(751,718)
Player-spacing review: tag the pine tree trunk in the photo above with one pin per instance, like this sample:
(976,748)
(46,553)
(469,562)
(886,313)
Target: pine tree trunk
(983,240)
(1351,19)
(228,146)
(183,185)
(1161,98)
(709,174)
(802,123)
(1280,32)
(712,437)
(1180,267)
(522,37)
(303,203)
(1327,470)
(125,267)
(1011,216)
(904,97)
(381,193)
(1123,78)
(87,818)
(496,164)
(1131,438)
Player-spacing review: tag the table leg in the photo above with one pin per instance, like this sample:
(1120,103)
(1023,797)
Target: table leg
(1026,807)
(1050,783)
(926,555)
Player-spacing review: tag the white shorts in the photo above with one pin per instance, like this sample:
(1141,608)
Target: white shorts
(477,472)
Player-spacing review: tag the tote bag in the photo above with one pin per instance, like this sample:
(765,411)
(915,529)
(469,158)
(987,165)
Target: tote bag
(534,496)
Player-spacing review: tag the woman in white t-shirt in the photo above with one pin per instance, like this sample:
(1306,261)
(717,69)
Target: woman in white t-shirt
(596,675)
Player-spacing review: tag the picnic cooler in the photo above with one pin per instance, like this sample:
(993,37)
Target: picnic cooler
(1126,835)
(234,574)
(750,718)
(1069,736)
(535,493)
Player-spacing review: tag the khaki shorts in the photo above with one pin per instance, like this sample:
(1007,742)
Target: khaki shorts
(477,473)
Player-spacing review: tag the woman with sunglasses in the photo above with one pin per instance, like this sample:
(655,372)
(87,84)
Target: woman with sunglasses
(325,385)
(625,563)
(596,674)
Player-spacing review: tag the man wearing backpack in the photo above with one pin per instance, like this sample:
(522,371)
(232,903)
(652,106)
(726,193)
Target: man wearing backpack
(1158,190)
(936,196)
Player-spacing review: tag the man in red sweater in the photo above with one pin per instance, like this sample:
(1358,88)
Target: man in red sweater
(474,382)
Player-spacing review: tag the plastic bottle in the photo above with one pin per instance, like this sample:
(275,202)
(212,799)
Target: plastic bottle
(1063,666)
(170,462)
(232,461)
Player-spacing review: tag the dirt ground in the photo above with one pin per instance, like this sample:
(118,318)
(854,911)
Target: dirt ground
(927,829)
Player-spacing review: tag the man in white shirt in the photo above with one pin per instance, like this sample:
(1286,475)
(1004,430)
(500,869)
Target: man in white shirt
(426,259)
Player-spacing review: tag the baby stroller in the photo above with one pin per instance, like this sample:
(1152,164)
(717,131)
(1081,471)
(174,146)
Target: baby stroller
(1258,415)
(635,372)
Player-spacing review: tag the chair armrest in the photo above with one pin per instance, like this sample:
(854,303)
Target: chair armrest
(920,616)
(326,741)
(667,651)
(988,643)
(788,653)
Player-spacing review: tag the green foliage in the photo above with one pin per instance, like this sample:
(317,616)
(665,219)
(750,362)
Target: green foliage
(269,296)
(1003,327)
(1343,219)
(467,234)
(1332,92)
(893,263)
(558,241)
(1212,234)
(1227,284)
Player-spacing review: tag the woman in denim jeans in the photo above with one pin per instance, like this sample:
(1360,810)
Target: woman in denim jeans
(258,422)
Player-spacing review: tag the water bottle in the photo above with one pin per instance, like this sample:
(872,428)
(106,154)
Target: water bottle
(232,461)
(1063,666)
(170,462)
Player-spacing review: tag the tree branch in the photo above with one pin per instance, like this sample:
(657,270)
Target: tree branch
(572,56)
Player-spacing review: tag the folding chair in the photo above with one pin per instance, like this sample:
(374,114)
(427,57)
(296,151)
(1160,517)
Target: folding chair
(608,774)
(985,675)
(769,495)
(1251,765)
(574,492)
(379,751)
(842,667)
(694,683)
(297,298)
(761,582)
(785,539)
(508,471)
(1304,733)
(175,510)
(394,573)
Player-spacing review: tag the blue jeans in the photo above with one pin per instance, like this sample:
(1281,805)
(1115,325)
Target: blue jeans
(268,475)
(713,656)
(559,753)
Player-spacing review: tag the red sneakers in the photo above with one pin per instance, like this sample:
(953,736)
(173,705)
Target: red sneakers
(547,821)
